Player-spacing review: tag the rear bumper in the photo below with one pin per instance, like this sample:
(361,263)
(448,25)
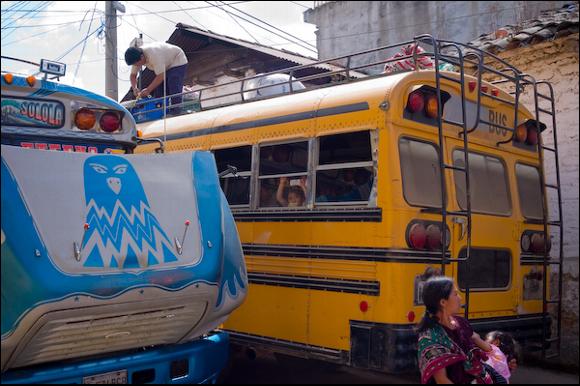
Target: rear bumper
(392,348)
(200,361)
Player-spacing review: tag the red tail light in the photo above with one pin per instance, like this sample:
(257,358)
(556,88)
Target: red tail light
(417,236)
(434,237)
(416,102)
(532,136)
(110,122)
(538,243)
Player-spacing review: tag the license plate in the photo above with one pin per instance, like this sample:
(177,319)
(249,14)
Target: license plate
(28,112)
(114,377)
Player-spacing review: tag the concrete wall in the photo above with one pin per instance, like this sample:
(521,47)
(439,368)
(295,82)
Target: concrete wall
(557,62)
(345,27)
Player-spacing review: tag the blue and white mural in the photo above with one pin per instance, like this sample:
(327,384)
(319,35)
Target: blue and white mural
(122,232)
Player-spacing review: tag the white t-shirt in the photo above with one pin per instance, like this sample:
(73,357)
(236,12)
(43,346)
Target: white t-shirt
(160,57)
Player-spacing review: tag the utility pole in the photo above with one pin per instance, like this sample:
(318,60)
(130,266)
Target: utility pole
(111,79)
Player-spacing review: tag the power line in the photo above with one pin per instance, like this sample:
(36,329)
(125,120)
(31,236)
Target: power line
(79,43)
(31,36)
(138,29)
(155,13)
(44,25)
(12,21)
(237,22)
(146,13)
(269,25)
(302,5)
(275,33)
(188,14)
(84,44)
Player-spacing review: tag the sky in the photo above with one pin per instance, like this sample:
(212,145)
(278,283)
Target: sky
(58,30)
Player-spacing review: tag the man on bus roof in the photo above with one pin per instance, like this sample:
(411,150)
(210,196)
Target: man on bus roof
(161,58)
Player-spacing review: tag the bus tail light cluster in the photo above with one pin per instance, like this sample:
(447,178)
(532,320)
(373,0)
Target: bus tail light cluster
(528,132)
(86,118)
(424,101)
(424,235)
(535,242)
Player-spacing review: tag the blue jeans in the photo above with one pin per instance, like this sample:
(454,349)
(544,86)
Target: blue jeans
(174,77)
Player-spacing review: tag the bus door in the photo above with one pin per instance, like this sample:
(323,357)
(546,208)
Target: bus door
(489,271)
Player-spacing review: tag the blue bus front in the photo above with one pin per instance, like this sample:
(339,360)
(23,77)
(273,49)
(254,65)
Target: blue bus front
(115,266)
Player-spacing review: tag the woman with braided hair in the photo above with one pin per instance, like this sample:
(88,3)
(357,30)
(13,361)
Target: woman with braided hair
(447,349)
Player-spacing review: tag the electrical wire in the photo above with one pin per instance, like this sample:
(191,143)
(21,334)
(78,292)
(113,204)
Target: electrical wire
(269,25)
(237,22)
(84,44)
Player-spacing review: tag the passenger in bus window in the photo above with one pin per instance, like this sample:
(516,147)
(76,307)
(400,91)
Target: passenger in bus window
(326,192)
(363,182)
(291,195)
(268,194)
(348,188)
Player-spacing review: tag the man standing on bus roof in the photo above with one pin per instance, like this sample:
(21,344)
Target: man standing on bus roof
(160,58)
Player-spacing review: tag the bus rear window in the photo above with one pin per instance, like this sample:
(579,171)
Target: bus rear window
(236,189)
(420,173)
(530,191)
(488,184)
(488,269)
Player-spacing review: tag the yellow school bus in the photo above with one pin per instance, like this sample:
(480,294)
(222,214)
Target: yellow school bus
(338,199)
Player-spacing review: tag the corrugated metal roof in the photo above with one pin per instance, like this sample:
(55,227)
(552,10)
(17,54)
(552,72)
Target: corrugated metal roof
(278,53)
(549,25)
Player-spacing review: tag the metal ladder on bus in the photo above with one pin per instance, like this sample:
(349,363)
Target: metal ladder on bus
(547,258)
(443,166)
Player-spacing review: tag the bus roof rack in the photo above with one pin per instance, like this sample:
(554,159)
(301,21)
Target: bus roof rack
(445,53)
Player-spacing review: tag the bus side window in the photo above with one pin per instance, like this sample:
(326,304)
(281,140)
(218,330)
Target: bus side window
(236,189)
(420,173)
(345,168)
(283,175)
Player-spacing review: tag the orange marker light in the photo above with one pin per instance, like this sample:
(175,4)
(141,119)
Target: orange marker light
(521,133)
(431,107)
(8,78)
(85,119)
(31,80)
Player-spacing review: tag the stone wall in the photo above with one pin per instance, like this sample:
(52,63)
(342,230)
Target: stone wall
(557,62)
